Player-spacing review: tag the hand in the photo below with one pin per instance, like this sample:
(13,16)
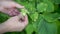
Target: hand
(9,7)
(10,4)
(17,23)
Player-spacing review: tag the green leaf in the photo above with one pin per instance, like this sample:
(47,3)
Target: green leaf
(29,29)
(46,28)
(31,7)
(58,30)
(51,17)
(55,1)
(41,7)
(3,17)
(45,7)
(34,16)
(24,11)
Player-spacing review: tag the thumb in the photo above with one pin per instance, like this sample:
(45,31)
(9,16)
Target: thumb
(17,17)
(18,5)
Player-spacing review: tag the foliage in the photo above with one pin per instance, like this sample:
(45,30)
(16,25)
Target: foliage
(43,15)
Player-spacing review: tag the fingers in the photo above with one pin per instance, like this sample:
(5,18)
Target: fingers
(10,11)
(18,5)
(14,4)
(20,15)
(10,4)
(24,20)
(24,23)
(13,12)
(15,18)
(18,26)
(6,3)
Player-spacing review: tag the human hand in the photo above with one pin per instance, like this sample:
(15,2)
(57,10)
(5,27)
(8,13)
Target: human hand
(17,23)
(9,7)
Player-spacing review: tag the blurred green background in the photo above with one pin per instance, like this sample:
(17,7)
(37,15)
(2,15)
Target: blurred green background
(44,17)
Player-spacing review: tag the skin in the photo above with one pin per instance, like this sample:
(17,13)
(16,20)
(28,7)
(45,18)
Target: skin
(9,7)
(15,23)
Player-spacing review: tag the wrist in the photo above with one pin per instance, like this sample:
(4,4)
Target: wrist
(3,28)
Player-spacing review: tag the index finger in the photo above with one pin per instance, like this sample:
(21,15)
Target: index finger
(18,5)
